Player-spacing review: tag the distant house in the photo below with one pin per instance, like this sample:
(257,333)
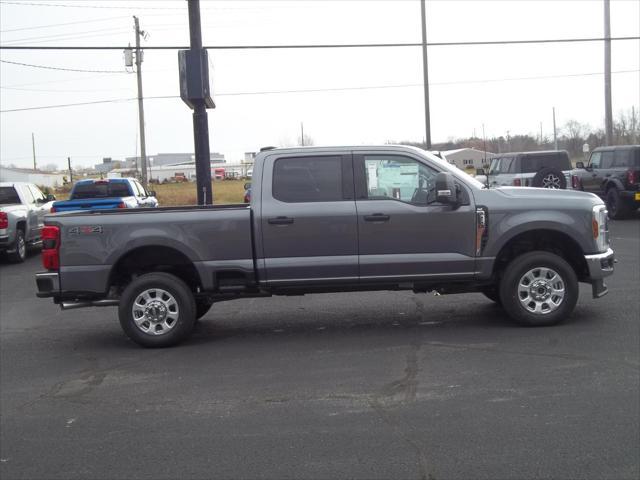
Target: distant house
(45,179)
(467,157)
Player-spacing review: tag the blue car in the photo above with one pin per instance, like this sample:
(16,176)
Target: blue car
(107,194)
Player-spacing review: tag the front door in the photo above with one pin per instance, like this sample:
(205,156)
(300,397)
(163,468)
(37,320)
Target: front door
(404,233)
(308,220)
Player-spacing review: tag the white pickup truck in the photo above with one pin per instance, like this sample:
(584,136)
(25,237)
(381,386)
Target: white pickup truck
(22,210)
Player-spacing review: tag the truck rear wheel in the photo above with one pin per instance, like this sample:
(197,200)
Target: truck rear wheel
(157,310)
(539,289)
(20,248)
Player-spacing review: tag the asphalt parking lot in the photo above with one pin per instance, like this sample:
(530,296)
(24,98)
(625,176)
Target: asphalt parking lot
(366,385)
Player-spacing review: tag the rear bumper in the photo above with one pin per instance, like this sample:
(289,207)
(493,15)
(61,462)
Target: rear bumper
(48,284)
(600,266)
(630,197)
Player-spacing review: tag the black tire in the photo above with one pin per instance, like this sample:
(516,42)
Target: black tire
(179,310)
(543,292)
(20,253)
(549,178)
(492,294)
(203,305)
(615,206)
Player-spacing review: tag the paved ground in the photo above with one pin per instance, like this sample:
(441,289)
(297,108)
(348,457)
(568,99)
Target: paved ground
(372,385)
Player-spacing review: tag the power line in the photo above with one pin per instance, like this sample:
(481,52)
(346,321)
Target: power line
(52,25)
(68,34)
(63,69)
(328,45)
(104,7)
(314,90)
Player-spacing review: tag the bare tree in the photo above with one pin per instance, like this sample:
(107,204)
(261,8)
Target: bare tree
(308,141)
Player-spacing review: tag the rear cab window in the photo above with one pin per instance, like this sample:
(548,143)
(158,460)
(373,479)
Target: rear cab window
(101,190)
(308,179)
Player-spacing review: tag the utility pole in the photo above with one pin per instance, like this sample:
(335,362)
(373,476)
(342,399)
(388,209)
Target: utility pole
(143,147)
(200,118)
(33,150)
(302,134)
(70,171)
(608,115)
(555,135)
(425,70)
(541,134)
(484,142)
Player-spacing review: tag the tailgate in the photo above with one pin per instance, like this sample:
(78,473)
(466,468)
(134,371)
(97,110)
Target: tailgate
(89,204)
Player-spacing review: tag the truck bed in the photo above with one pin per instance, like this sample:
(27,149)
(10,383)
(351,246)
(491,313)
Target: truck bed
(212,238)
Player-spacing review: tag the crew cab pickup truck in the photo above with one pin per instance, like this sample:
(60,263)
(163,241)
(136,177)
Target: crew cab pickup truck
(22,210)
(332,220)
(107,194)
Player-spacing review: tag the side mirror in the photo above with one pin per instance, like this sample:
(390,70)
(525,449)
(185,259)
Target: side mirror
(247,186)
(446,191)
(480,171)
(579,164)
(152,193)
(50,197)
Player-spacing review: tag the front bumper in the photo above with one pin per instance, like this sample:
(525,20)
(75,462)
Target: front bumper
(48,284)
(600,266)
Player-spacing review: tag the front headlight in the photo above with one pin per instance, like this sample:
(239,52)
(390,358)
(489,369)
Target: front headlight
(600,227)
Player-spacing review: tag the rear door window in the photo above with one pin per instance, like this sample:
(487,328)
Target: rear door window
(101,190)
(308,179)
(8,196)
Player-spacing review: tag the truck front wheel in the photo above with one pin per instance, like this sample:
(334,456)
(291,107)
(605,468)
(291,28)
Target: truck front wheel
(539,289)
(157,310)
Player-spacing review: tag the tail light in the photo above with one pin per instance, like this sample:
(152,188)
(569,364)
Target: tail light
(632,177)
(122,205)
(517,182)
(51,247)
(4,220)
(575,182)
(53,210)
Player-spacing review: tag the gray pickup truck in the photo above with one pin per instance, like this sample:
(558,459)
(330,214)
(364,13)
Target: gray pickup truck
(22,210)
(332,220)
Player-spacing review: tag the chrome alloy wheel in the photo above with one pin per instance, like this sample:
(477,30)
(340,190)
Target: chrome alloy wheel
(155,311)
(541,290)
(551,181)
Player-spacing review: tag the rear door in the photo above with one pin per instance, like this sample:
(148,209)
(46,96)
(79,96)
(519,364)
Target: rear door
(308,219)
(404,234)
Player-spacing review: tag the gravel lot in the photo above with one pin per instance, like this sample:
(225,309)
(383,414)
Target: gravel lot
(367,385)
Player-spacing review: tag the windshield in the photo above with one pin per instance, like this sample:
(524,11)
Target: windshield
(100,190)
(8,195)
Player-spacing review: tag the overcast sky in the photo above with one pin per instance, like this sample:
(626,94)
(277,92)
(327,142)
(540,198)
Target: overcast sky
(470,85)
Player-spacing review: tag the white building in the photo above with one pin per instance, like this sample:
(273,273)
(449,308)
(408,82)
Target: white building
(464,158)
(44,179)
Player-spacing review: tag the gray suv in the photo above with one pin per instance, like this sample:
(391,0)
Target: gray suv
(545,169)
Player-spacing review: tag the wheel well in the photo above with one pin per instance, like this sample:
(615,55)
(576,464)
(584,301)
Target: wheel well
(547,240)
(154,259)
(22,225)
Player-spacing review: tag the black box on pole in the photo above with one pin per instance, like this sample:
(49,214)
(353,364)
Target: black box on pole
(194,78)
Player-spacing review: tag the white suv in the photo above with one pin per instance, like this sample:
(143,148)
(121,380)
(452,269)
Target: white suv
(544,169)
